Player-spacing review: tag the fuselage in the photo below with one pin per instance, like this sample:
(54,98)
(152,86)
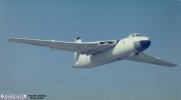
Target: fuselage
(132,45)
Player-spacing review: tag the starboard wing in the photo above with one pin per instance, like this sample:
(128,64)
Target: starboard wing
(83,47)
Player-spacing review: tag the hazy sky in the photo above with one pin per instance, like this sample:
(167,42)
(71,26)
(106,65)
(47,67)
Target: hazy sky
(26,69)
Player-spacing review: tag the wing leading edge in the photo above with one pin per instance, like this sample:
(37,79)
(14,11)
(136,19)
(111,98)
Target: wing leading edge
(84,47)
(151,60)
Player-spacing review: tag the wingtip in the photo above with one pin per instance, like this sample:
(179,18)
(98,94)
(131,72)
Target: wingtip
(10,39)
(174,65)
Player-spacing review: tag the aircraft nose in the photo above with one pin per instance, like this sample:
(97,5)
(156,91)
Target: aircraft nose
(142,45)
(145,43)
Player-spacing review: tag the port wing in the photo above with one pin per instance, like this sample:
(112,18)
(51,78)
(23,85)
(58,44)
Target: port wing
(151,60)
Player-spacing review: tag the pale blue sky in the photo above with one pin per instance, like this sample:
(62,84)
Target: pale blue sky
(30,69)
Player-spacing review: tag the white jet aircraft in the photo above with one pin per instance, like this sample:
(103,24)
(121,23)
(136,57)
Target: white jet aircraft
(92,54)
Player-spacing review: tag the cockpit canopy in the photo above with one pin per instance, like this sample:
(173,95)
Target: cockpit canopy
(135,35)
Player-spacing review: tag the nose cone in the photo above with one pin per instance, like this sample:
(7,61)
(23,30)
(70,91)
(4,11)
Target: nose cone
(142,45)
(145,43)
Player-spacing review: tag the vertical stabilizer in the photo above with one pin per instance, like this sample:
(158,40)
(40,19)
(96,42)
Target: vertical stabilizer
(76,56)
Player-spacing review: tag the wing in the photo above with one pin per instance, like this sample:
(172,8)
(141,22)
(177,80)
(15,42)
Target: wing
(151,60)
(84,47)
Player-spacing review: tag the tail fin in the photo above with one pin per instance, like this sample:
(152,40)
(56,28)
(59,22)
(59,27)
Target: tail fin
(76,55)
